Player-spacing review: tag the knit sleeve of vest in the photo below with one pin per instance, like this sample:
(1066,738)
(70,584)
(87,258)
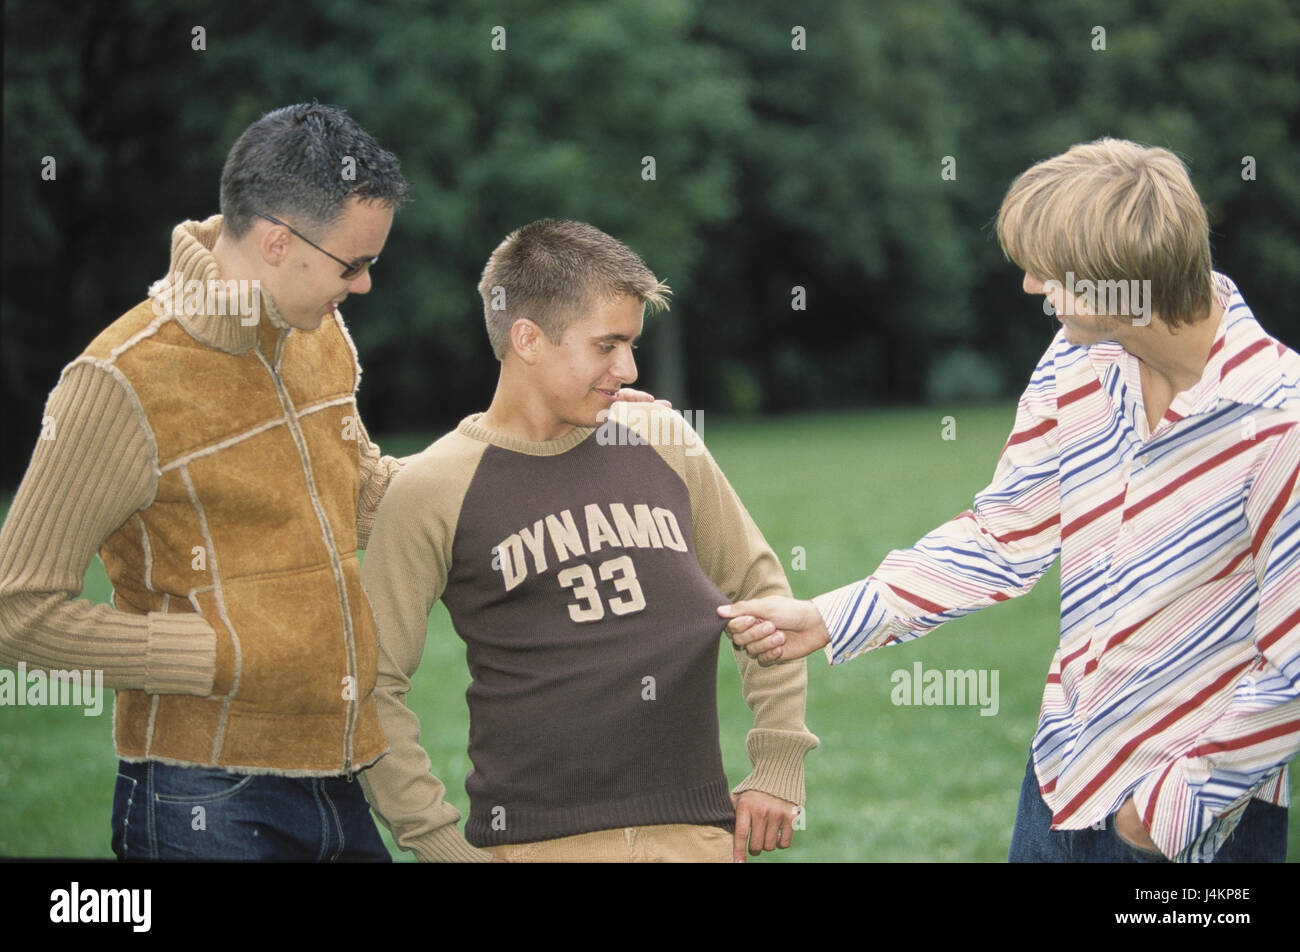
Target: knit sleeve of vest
(377,471)
(93,467)
(405,571)
(734,554)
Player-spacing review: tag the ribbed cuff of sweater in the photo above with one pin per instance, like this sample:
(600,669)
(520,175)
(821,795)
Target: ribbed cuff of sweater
(447,845)
(778,763)
(181,657)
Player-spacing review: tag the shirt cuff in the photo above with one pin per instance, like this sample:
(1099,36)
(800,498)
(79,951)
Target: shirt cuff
(778,763)
(857,620)
(181,656)
(447,845)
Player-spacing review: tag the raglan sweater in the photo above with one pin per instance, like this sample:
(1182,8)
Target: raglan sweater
(219,467)
(583,574)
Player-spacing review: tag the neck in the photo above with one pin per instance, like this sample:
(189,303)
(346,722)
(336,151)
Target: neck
(1179,356)
(521,412)
(230,258)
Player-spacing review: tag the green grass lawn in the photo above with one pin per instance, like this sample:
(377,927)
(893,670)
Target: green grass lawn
(894,783)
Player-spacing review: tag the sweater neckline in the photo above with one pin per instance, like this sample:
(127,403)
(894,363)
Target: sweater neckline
(471,427)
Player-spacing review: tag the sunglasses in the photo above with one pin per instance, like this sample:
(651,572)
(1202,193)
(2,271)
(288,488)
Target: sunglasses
(351,269)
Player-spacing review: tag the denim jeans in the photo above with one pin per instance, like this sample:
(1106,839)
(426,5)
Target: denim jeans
(1260,837)
(165,812)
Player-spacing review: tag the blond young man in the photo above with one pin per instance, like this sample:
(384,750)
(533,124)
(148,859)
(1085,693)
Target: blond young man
(1156,451)
(581,566)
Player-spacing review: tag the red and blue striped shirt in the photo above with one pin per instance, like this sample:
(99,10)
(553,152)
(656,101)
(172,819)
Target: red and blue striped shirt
(1177,677)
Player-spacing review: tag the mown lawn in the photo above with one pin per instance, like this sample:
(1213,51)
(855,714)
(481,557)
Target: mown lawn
(833,493)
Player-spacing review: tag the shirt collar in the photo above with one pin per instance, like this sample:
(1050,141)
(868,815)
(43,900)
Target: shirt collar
(1245,366)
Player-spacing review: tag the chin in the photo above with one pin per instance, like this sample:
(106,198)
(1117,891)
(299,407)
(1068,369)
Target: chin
(306,324)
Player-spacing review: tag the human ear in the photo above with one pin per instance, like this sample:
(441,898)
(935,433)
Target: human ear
(526,340)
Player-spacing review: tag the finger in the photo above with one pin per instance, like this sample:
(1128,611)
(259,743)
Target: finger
(772,831)
(666,404)
(636,396)
(768,658)
(742,834)
(756,644)
(787,829)
(757,832)
(749,606)
(742,624)
(749,631)
(757,632)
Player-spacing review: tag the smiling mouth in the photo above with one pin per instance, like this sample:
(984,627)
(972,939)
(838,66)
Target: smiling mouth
(610,394)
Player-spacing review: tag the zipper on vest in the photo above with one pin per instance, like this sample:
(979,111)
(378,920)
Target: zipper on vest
(300,443)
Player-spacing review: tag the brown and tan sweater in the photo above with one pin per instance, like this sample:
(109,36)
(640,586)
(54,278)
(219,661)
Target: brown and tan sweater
(221,471)
(583,574)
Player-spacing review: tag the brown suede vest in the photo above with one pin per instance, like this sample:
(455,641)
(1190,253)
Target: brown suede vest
(253,525)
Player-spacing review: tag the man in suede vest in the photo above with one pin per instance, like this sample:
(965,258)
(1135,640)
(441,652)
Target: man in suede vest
(207,445)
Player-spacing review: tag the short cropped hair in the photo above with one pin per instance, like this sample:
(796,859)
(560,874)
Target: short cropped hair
(552,271)
(302,163)
(1113,210)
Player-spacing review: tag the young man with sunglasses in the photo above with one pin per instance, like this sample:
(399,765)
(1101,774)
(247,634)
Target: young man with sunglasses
(207,445)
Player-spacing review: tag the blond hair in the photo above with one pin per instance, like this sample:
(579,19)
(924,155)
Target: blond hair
(1113,210)
(552,271)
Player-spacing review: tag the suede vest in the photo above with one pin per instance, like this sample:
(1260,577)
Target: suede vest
(253,526)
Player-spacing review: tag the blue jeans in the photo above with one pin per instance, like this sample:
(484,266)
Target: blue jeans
(1260,837)
(164,812)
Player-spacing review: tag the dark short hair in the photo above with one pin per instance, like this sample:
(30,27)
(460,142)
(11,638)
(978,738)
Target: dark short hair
(302,163)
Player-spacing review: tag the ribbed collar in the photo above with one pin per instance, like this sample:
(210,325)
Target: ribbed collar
(192,244)
(474,430)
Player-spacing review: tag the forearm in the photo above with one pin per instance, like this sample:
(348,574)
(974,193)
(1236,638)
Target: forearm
(407,797)
(779,740)
(93,467)
(996,550)
(1193,804)
(744,566)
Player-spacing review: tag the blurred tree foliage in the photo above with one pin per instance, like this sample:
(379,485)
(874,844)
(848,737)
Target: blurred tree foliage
(855,151)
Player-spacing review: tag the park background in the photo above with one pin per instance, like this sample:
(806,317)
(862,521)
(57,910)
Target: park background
(825,178)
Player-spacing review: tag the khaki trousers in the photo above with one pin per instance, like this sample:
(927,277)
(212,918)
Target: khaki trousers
(667,843)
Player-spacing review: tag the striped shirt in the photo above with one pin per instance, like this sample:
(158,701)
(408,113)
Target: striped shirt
(1177,676)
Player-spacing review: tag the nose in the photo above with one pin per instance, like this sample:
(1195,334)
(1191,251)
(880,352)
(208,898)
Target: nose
(360,284)
(1032,285)
(625,366)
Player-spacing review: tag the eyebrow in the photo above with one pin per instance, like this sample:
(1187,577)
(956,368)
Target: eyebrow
(619,337)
